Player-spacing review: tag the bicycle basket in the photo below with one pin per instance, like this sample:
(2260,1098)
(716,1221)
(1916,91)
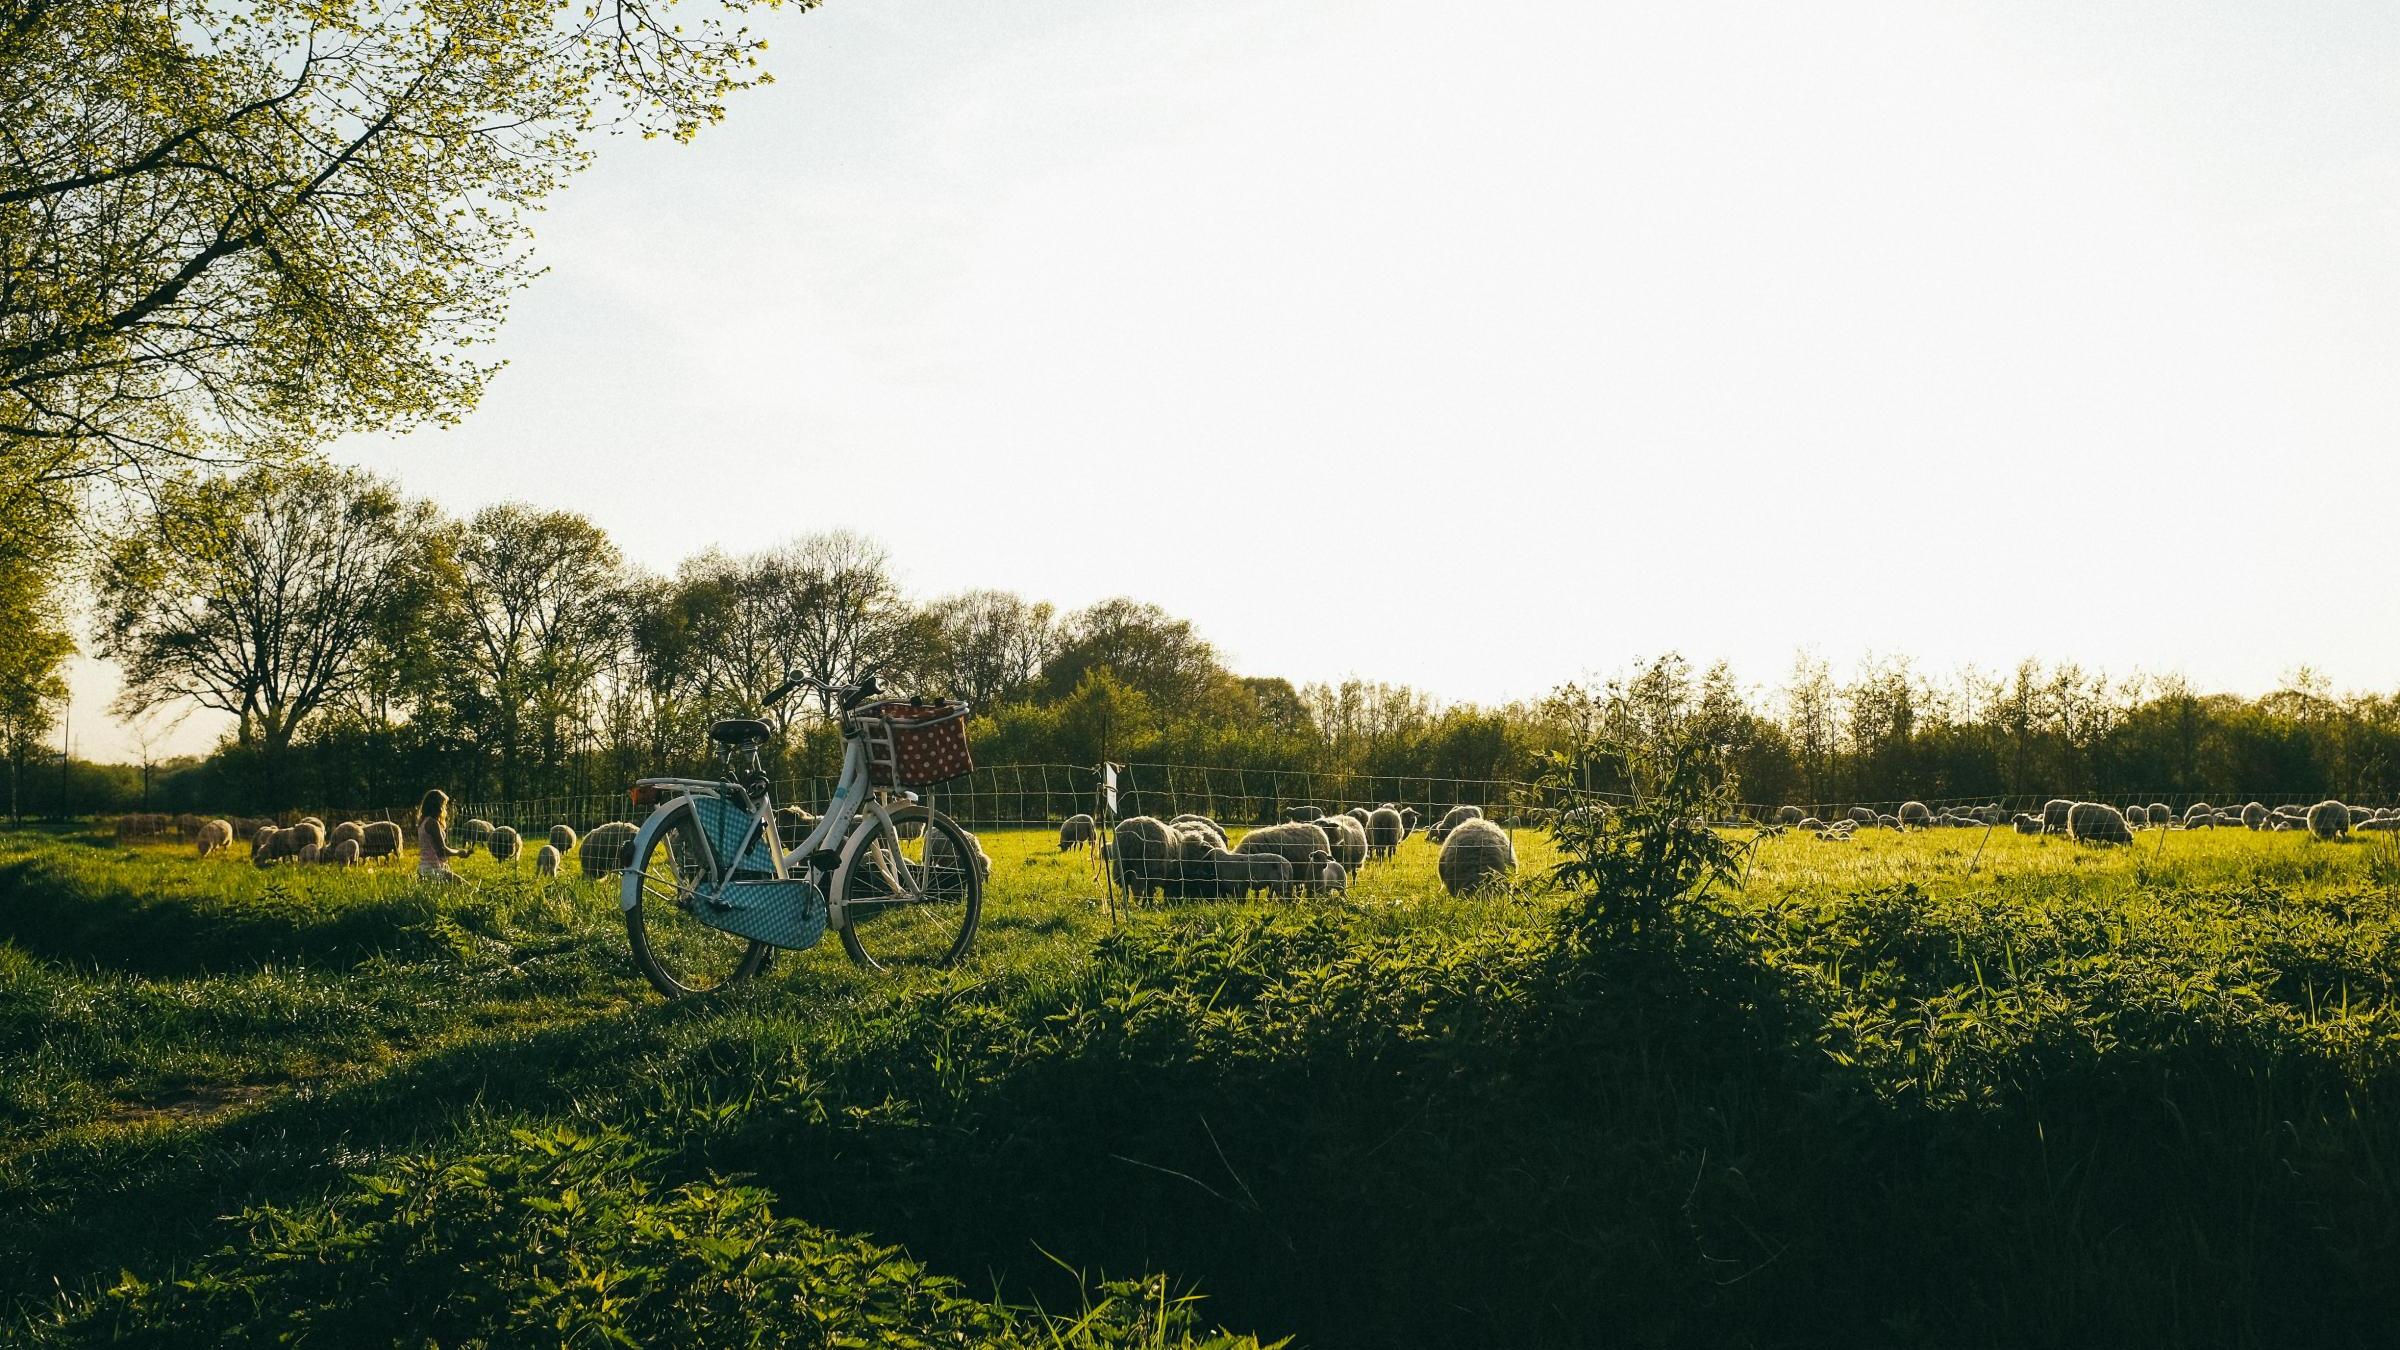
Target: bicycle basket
(916,744)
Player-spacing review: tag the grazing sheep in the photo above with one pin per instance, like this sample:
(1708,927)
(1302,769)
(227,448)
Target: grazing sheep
(1077,831)
(1327,877)
(2160,815)
(792,826)
(318,821)
(2199,816)
(1193,821)
(2378,822)
(1915,815)
(1862,815)
(262,844)
(1347,841)
(302,841)
(546,861)
(2097,823)
(1408,821)
(473,833)
(341,852)
(2138,817)
(1789,815)
(1809,823)
(1476,853)
(1884,820)
(607,848)
(506,844)
(1144,856)
(1238,874)
(379,839)
(2027,823)
(1300,813)
(2054,815)
(2328,820)
(1385,830)
(562,838)
(1188,846)
(309,853)
(1451,820)
(2254,817)
(937,854)
(1293,841)
(215,835)
(348,829)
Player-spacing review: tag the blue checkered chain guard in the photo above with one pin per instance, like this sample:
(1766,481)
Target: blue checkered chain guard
(742,849)
(784,913)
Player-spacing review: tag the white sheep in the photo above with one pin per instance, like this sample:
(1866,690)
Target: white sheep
(1476,854)
(546,861)
(1077,831)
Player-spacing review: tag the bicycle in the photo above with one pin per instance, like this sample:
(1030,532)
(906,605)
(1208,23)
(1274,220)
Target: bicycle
(710,891)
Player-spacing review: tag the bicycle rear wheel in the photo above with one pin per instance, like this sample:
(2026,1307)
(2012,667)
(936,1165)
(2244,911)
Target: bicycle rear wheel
(911,897)
(680,955)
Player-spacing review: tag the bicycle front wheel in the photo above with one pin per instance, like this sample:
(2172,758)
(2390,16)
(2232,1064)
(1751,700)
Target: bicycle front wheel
(680,955)
(911,892)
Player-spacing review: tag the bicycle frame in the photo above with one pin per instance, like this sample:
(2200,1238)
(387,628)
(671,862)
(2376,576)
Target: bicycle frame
(856,805)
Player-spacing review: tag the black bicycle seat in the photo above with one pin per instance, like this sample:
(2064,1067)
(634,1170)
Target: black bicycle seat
(740,731)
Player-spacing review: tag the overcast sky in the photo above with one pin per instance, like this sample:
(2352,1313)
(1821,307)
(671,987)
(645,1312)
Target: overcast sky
(1483,347)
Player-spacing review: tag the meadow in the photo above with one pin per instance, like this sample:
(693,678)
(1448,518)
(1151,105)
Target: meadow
(1986,1090)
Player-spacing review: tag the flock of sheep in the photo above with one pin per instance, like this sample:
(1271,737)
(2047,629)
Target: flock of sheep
(352,842)
(2099,822)
(1311,851)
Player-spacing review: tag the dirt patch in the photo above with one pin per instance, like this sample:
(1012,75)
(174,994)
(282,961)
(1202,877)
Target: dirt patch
(189,1103)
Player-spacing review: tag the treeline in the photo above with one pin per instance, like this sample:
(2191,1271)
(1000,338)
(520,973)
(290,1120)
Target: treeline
(367,646)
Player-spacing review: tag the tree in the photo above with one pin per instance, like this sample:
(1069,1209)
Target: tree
(232,228)
(845,613)
(991,644)
(34,647)
(536,604)
(1154,653)
(256,595)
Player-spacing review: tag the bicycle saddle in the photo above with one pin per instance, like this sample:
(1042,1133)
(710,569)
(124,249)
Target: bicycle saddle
(740,731)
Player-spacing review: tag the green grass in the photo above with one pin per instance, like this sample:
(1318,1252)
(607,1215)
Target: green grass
(1888,1092)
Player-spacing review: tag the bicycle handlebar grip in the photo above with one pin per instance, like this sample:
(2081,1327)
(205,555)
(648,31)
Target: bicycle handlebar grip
(781,691)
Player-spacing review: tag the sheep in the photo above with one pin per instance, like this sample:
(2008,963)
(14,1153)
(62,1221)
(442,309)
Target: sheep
(378,839)
(1191,820)
(937,854)
(215,835)
(2378,822)
(1327,876)
(1359,814)
(341,852)
(1476,853)
(2199,816)
(1385,830)
(348,829)
(1451,820)
(301,841)
(2254,817)
(608,848)
(546,861)
(1915,815)
(562,839)
(2054,815)
(309,853)
(1861,815)
(2328,820)
(2097,823)
(473,833)
(1144,855)
(1809,823)
(1077,831)
(792,826)
(1789,815)
(1408,821)
(1188,846)
(262,844)
(318,821)
(2137,817)
(506,844)
(1293,841)
(1885,820)
(2027,823)
(1238,874)
(1300,813)
(1346,840)
(2160,815)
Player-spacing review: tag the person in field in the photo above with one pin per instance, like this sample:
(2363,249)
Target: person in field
(433,840)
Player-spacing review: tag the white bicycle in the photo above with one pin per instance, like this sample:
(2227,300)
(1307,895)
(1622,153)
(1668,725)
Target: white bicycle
(710,890)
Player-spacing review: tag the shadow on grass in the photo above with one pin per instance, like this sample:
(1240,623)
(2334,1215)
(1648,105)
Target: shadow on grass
(1498,1145)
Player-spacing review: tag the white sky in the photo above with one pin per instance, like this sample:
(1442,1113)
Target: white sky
(1482,347)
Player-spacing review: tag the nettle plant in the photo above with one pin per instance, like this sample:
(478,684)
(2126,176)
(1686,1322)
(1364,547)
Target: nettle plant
(1633,862)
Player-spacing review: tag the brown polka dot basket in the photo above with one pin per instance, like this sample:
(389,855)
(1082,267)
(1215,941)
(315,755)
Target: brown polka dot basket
(915,744)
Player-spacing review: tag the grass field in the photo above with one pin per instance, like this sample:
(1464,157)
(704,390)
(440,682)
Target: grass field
(1985,1091)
